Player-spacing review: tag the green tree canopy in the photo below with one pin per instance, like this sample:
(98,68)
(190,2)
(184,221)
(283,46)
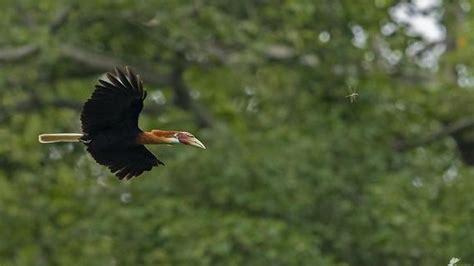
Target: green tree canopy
(296,172)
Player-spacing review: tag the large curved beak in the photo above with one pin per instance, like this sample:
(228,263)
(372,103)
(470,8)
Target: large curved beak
(194,142)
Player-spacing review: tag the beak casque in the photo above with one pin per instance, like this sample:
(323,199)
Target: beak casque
(195,142)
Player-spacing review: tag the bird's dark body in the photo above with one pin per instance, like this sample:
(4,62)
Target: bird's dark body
(110,140)
(110,125)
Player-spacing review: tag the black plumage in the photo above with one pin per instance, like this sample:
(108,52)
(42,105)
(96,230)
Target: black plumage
(110,125)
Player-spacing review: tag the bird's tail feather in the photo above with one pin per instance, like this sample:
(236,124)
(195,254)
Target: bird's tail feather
(59,137)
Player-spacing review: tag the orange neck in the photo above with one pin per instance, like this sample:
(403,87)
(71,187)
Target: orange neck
(155,137)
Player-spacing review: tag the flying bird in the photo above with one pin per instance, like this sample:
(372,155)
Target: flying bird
(110,127)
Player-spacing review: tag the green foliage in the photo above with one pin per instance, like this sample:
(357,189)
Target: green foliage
(294,173)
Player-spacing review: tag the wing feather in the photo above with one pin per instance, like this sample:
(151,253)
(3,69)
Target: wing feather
(126,163)
(134,79)
(124,80)
(118,84)
(116,103)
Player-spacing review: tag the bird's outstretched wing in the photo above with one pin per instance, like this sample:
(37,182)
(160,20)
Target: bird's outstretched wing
(127,163)
(115,104)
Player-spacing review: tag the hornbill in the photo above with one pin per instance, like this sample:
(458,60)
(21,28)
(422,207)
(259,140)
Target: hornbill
(110,127)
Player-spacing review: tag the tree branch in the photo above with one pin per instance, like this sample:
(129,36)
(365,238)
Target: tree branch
(182,95)
(34,104)
(101,62)
(448,130)
(18,53)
